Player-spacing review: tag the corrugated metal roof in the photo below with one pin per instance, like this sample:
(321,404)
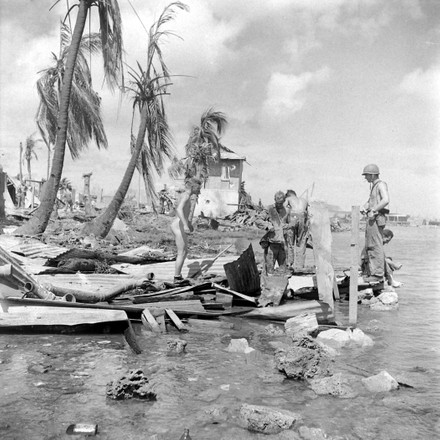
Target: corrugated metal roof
(30,247)
(38,250)
(165,271)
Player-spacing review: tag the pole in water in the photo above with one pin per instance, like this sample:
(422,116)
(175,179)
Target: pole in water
(185,435)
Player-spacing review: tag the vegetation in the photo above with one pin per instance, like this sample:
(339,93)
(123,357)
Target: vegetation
(152,143)
(111,42)
(203,147)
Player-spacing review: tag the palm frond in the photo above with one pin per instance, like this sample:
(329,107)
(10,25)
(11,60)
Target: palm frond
(111,40)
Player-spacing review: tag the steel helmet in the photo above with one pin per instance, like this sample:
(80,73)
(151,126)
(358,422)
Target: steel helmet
(371,169)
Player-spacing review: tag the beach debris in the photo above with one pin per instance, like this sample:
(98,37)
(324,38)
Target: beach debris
(242,274)
(239,346)
(134,384)
(303,324)
(85,429)
(267,420)
(380,382)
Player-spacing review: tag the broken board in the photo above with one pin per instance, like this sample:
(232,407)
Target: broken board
(35,319)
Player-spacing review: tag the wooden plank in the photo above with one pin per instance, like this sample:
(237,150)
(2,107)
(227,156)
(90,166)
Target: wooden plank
(149,321)
(354,255)
(58,319)
(335,289)
(322,241)
(233,292)
(190,304)
(324,313)
(175,320)
(204,268)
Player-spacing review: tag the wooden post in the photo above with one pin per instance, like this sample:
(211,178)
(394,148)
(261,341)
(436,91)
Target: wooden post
(352,308)
(2,195)
(322,251)
(87,200)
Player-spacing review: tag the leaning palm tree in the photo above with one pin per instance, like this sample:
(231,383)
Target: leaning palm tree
(84,118)
(110,32)
(153,141)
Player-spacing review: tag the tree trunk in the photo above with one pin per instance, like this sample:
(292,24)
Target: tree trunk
(101,226)
(20,163)
(28,164)
(38,223)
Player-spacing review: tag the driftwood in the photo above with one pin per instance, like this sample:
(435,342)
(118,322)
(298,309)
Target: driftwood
(175,320)
(203,269)
(94,297)
(99,255)
(149,321)
(233,292)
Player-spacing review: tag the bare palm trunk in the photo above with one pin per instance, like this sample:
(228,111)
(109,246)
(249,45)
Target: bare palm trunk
(38,223)
(28,164)
(101,226)
(21,161)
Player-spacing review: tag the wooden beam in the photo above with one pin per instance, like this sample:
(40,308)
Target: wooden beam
(354,246)
(233,292)
(175,320)
(149,321)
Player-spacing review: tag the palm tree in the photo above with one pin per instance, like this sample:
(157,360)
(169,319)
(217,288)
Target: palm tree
(111,41)
(29,153)
(203,147)
(84,120)
(153,141)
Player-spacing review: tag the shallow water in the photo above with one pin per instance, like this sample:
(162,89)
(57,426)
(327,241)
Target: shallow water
(203,389)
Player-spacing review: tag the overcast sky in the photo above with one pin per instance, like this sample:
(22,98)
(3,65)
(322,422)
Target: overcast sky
(313,90)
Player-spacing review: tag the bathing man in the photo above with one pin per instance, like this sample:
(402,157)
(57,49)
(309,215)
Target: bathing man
(375,211)
(296,219)
(181,226)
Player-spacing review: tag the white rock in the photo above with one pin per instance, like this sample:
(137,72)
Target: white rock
(303,323)
(361,339)
(239,346)
(380,307)
(388,298)
(380,382)
(334,338)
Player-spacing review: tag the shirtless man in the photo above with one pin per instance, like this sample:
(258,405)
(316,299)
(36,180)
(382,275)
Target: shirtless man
(375,210)
(296,219)
(181,226)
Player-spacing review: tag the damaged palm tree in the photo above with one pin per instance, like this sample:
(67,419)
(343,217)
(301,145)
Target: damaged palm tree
(153,141)
(203,147)
(111,42)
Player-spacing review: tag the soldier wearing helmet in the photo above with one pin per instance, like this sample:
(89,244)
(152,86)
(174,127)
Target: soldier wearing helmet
(375,210)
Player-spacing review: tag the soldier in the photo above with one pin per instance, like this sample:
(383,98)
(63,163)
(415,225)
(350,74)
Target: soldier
(375,210)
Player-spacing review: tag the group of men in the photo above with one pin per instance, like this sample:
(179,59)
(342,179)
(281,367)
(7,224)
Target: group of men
(285,226)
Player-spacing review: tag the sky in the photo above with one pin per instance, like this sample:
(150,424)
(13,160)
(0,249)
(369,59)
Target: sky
(313,90)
